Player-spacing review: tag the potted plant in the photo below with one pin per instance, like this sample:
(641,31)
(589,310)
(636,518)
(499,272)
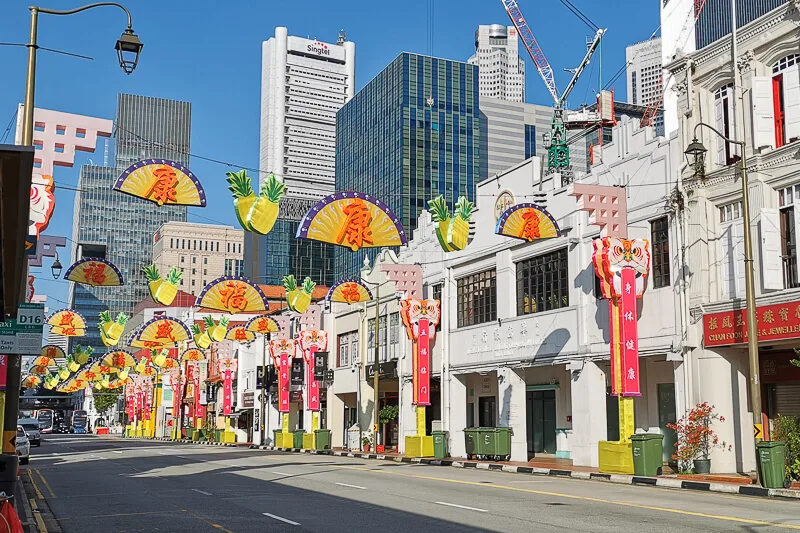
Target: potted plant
(366,442)
(787,429)
(696,439)
(386,416)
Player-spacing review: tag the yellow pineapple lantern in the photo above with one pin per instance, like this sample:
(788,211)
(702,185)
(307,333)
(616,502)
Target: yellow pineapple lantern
(63,373)
(81,354)
(216,331)
(159,358)
(201,338)
(255,213)
(298,298)
(111,330)
(163,291)
(72,364)
(452,232)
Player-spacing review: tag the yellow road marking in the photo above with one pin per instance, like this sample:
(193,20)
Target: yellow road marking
(570,496)
(207,521)
(46,484)
(115,515)
(37,517)
(35,486)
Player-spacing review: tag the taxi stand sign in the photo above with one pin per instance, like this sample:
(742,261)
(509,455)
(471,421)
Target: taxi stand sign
(23,336)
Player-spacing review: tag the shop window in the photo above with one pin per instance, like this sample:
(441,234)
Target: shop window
(731,246)
(542,283)
(786,99)
(385,353)
(477,298)
(789,203)
(727,153)
(659,236)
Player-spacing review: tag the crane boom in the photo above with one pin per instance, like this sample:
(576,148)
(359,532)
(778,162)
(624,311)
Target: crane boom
(535,51)
(578,71)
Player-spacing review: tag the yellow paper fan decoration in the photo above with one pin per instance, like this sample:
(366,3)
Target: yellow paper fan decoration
(528,222)
(95,272)
(240,334)
(232,294)
(349,291)
(162,181)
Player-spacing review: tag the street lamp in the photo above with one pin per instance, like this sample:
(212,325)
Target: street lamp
(56,268)
(697,152)
(128,49)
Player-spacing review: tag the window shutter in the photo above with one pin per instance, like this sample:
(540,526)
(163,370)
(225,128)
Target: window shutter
(791,101)
(719,104)
(738,256)
(733,132)
(727,265)
(763,113)
(796,229)
(771,261)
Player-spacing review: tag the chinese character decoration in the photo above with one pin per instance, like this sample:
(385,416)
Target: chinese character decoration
(94,272)
(31,382)
(311,341)
(298,297)
(353,220)
(240,334)
(130,400)
(528,222)
(227,367)
(262,325)
(163,332)
(612,255)
(67,323)
(349,291)
(111,329)
(233,294)
(255,213)
(163,291)
(282,352)
(192,354)
(163,182)
(50,353)
(119,362)
(420,318)
(452,232)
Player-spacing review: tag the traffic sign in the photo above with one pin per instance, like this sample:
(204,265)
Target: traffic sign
(24,335)
(757,431)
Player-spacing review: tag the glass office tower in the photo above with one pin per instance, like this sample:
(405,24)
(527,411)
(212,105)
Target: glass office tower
(412,133)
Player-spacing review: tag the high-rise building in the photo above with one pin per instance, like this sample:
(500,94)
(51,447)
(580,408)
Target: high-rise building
(304,83)
(203,252)
(715,21)
(501,69)
(514,134)
(643,72)
(415,131)
(119,227)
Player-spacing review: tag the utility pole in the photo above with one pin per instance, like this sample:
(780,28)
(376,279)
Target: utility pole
(264,390)
(375,376)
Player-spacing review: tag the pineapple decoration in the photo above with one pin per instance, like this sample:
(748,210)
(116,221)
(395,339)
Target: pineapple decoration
(159,357)
(81,355)
(72,364)
(63,372)
(111,330)
(255,213)
(201,338)
(452,233)
(298,298)
(163,291)
(216,331)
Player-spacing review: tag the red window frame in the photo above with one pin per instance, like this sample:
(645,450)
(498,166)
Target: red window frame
(779,110)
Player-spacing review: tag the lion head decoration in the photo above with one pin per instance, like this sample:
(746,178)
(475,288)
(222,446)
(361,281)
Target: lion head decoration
(612,254)
(413,311)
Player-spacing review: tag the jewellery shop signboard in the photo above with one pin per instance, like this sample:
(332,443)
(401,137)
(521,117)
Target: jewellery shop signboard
(774,322)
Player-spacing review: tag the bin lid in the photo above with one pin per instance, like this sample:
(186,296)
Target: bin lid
(647,436)
(770,444)
(438,433)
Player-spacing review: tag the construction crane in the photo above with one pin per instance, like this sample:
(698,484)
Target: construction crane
(558,151)
(655,106)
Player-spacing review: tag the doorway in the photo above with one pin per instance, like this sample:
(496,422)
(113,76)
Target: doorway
(487,411)
(667,415)
(541,415)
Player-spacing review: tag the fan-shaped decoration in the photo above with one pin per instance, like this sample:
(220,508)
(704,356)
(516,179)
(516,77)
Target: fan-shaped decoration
(349,291)
(240,334)
(528,222)
(148,371)
(43,360)
(67,323)
(232,294)
(170,363)
(100,369)
(87,375)
(95,272)
(118,359)
(30,382)
(53,352)
(166,332)
(39,371)
(262,325)
(117,383)
(354,220)
(192,354)
(162,181)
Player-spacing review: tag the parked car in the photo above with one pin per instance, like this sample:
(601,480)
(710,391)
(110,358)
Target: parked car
(31,427)
(23,446)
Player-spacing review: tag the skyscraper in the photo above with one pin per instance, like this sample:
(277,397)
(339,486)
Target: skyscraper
(501,69)
(415,131)
(304,83)
(119,227)
(643,72)
(715,21)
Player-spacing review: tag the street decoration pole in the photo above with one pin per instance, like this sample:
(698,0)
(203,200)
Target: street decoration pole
(227,366)
(282,351)
(310,342)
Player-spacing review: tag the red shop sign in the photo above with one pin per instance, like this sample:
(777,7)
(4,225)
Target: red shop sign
(774,322)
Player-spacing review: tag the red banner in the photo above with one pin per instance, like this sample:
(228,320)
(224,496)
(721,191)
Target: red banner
(3,371)
(227,398)
(199,410)
(138,411)
(283,383)
(630,335)
(423,364)
(130,406)
(146,407)
(773,322)
(313,385)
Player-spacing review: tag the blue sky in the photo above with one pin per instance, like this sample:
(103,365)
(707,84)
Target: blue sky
(208,53)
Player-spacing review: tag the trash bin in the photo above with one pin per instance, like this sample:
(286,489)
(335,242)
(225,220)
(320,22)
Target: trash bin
(275,442)
(439,444)
(647,454)
(298,438)
(217,435)
(323,439)
(496,443)
(772,463)
(472,442)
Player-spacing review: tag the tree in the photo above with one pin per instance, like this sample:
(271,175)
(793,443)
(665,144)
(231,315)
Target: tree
(105,400)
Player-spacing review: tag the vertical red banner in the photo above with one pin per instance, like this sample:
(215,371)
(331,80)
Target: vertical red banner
(424,363)
(130,406)
(630,335)
(3,371)
(313,385)
(138,411)
(147,399)
(199,410)
(283,383)
(227,394)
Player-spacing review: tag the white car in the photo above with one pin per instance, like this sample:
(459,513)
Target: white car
(23,446)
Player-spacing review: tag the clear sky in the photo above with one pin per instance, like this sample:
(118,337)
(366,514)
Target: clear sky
(208,52)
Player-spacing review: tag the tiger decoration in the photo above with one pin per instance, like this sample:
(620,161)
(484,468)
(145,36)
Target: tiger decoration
(612,254)
(413,311)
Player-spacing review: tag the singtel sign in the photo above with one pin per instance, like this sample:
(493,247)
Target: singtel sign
(318,49)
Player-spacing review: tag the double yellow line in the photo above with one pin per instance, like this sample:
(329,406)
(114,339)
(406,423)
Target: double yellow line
(37,516)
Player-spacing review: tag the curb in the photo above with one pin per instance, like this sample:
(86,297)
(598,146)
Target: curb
(669,483)
(185,441)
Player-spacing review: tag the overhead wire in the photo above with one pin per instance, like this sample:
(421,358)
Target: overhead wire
(580,14)
(8,128)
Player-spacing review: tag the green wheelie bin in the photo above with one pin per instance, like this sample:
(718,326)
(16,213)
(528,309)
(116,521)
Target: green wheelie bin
(298,438)
(496,443)
(323,439)
(772,463)
(472,442)
(647,454)
(439,444)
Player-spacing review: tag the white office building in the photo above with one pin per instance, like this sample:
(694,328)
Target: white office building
(304,82)
(643,74)
(501,69)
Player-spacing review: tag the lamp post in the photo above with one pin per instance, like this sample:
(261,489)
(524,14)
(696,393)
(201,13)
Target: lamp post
(56,268)
(128,48)
(696,151)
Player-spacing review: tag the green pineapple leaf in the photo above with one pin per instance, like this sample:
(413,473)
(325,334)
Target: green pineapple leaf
(151,273)
(289,282)
(464,208)
(439,210)
(308,286)
(174,276)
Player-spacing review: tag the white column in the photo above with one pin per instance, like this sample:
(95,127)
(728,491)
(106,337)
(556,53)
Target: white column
(458,414)
(511,398)
(588,414)
(506,284)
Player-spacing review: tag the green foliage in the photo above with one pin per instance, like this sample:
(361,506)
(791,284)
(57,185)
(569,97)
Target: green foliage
(388,413)
(105,401)
(787,429)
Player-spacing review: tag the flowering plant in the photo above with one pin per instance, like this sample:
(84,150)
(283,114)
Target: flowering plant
(696,439)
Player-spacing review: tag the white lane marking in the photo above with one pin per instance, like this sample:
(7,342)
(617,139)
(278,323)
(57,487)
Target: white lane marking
(202,492)
(285,520)
(162,453)
(463,507)
(114,451)
(351,486)
(281,473)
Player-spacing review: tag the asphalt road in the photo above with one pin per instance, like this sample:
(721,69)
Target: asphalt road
(98,484)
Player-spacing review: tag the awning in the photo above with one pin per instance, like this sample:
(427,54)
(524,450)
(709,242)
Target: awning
(16,168)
